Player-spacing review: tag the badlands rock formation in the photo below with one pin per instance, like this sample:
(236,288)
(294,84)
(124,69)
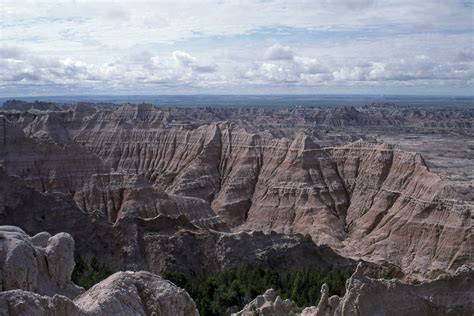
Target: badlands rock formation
(157,244)
(41,264)
(36,280)
(114,195)
(447,295)
(267,304)
(136,293)
(123,293)
(364,200)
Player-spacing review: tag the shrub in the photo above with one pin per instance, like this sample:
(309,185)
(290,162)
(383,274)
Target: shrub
(88,275)
(216,294)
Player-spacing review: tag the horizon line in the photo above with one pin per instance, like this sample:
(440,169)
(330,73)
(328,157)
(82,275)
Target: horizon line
(240,94)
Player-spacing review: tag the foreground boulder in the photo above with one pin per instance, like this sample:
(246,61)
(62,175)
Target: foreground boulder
(41,264)
(35,279)
(123,293)
(447,295)
(136,293)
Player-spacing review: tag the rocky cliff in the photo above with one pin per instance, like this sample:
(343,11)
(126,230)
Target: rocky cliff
(158,244)
(447,295)
(365,200)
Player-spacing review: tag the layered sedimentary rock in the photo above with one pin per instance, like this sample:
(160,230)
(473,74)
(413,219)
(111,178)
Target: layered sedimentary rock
(192,251)
(400,211)
(157,244)
(447,295)
(46,158)
(50,160)
(114,195)
(55,212)
(364,200)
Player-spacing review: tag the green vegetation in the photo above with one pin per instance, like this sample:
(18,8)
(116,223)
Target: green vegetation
(215,294)
(88,275)
(433,274)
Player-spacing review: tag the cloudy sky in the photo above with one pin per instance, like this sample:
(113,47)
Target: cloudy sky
(188,47)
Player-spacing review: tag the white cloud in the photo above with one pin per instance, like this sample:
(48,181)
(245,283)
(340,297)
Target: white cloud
(183,58)
(174,69)
(189,62)
(231,44)
(283,65)
(279,52)
(306,71)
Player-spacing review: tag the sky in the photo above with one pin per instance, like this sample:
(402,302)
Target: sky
(413,47)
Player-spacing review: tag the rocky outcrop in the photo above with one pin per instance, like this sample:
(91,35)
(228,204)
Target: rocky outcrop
(41,264)
(35,275)
(158,244)
(198,252)
(36,212)
(399,211)
(115,195)
(123,293)
(362,199)
(46,157)
(269,304)
(447,295)
(136,293)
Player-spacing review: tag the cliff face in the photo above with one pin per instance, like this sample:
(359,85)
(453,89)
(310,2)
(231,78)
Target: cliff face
(115,195)
(447,295)
(157,244)
(400,211)
(364,200)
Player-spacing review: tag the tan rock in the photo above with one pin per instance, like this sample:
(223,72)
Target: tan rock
(366,201)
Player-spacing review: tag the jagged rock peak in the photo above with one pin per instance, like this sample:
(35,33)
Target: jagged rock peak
(269,304)
(446,295)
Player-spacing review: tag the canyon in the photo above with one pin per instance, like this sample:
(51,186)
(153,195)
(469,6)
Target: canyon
(202,190)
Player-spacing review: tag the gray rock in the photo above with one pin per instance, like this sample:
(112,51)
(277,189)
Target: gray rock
(26,265)
(136,293)
(123,293)
(268,304)
(33,271)
(450,295)
(60,257)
